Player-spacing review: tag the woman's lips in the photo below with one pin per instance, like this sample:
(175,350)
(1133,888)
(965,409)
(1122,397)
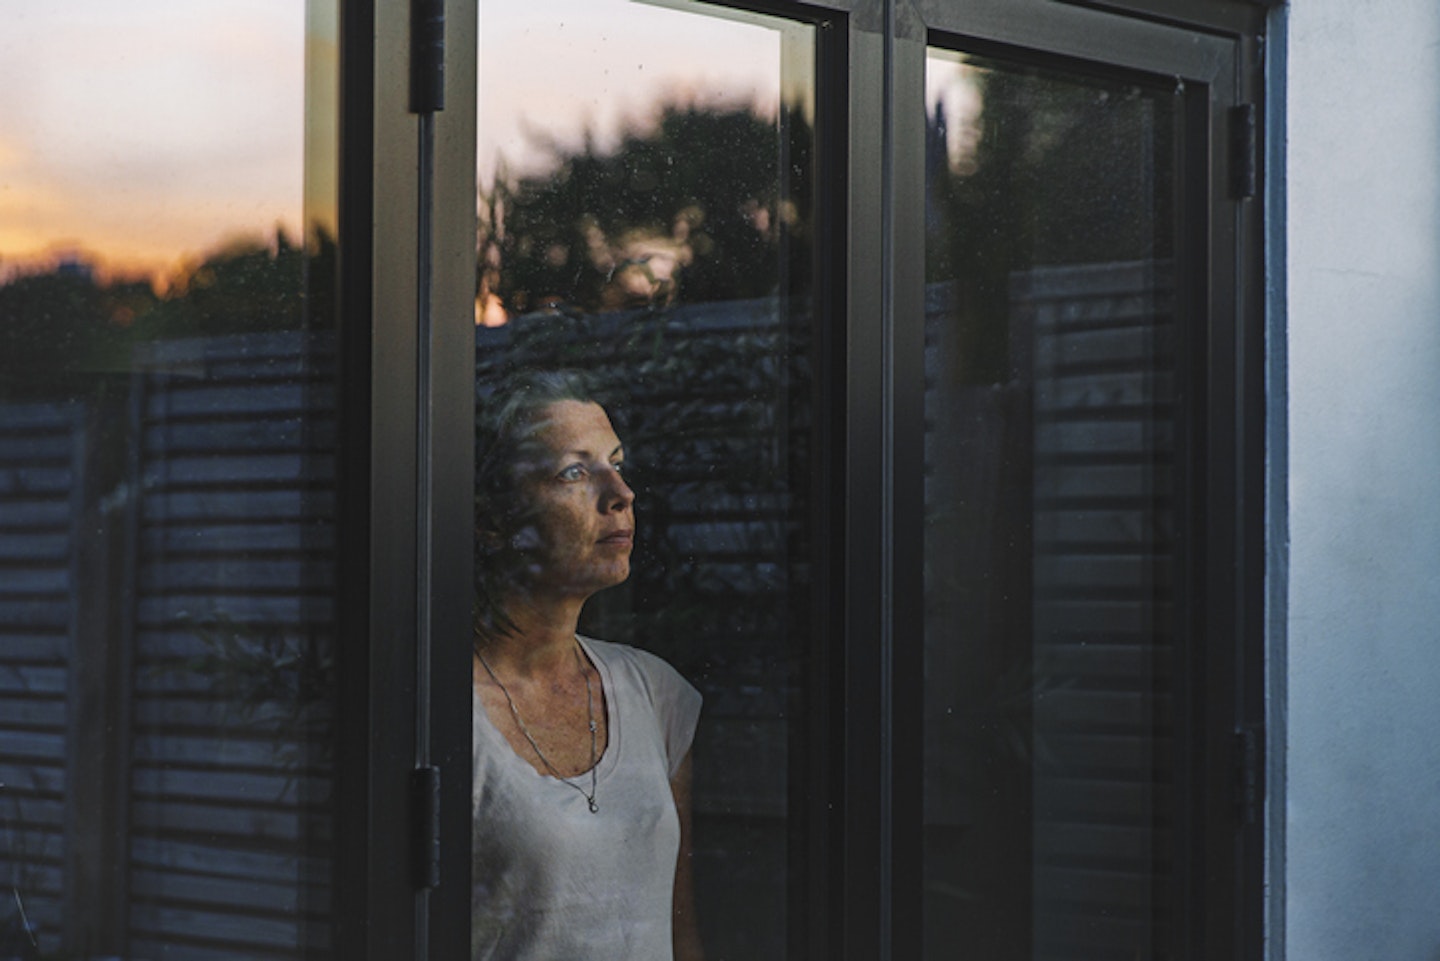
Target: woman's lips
(619,537)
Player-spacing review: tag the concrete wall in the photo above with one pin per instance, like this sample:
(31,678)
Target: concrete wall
(1362,234)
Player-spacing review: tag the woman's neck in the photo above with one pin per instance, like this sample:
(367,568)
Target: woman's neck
(541,641)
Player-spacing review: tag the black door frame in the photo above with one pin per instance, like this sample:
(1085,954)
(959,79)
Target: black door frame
(406,436)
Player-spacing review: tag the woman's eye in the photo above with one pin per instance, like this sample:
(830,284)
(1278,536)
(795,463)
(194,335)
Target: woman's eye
(574,472)
(620,467)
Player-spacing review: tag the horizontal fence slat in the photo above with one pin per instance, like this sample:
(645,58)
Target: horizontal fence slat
(147,851)
(1138,481)
(239,788)
(1058,843)
(237,931)
(34,547)
(249,609)
(1090,437)
(250,400)
(34,777)
(1100,617)
(196,575)
(33,449)
(1099,801)
(32,679)
(32,712)
(1124,390)
(232,470)
(217,752)
(247,895)
(35,580)
(16,746)
(48,514)
(20,482)
(274,825)
(312,434)
(235,538)
(228,506)
(38,417)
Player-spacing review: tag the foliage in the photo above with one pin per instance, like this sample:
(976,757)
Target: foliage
(695,207)
(1066,171)
(67,332)
(273,682)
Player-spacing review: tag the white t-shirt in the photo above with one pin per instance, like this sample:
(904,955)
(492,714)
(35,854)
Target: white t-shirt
(555,882)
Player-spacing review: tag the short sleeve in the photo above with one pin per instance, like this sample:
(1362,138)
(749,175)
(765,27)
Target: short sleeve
(676,701)
(679,717)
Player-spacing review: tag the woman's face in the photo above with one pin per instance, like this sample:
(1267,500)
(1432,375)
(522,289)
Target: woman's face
(579,518)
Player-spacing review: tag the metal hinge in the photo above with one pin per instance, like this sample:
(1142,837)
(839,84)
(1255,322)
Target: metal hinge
(1244,152)
(425,805)
(1249,774)
(427,56)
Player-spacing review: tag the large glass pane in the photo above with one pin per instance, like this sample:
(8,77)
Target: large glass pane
(167,475)
(1052,497)
(645,190)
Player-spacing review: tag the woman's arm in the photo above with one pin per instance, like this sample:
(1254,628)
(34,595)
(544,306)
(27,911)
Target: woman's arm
(685,926)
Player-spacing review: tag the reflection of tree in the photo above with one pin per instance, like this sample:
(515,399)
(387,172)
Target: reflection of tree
(64,328)
(1064,173)
(693,203)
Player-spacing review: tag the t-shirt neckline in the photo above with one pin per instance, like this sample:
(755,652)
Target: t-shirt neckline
(607,760)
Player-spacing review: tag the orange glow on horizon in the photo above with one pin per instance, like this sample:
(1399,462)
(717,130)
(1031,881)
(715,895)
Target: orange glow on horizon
(152,135)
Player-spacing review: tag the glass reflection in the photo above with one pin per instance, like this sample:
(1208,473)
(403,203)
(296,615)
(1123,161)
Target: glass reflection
(1051,498)
(644,203)
(166,479)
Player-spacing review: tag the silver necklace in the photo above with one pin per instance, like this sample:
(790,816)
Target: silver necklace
(590,718)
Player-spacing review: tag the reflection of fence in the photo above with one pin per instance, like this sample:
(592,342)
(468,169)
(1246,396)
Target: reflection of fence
(715,413)
(234,608)
(1050,727)
(164,640)
(1104,632)
(191,624)
(41,459)
(715,420)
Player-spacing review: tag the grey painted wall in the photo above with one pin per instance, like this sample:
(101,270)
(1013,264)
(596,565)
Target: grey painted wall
(1362,181)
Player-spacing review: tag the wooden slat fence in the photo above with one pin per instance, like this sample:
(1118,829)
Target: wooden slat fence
(712,402)
(41,462)
(1104,408)
(229,786)
(220,605)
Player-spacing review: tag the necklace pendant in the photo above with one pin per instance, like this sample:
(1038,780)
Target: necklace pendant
(594,808)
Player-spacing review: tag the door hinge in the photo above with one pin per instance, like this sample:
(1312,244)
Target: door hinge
(1244,152)
(425,805)
(427,56)
(1249,774)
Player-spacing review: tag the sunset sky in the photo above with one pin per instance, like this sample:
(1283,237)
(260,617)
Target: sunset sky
(556,67)
(147,133)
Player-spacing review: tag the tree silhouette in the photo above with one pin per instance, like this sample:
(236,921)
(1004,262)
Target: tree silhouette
(66,332)
(1064,173)
(692,208)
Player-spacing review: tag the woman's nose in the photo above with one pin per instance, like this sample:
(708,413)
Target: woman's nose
(617,494)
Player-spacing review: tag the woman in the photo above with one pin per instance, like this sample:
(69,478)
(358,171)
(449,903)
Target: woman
(581,799)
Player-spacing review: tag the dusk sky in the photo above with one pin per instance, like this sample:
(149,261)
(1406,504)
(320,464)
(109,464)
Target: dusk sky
(148,131)
(557,66)
(151,132)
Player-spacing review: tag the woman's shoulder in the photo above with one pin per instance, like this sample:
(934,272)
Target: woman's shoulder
(646,678)
(628,657)
(648,670)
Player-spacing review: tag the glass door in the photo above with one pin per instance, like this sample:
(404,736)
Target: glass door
(1053,544)
(169,472)
(926,346)
(1079,656)
(646,205)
